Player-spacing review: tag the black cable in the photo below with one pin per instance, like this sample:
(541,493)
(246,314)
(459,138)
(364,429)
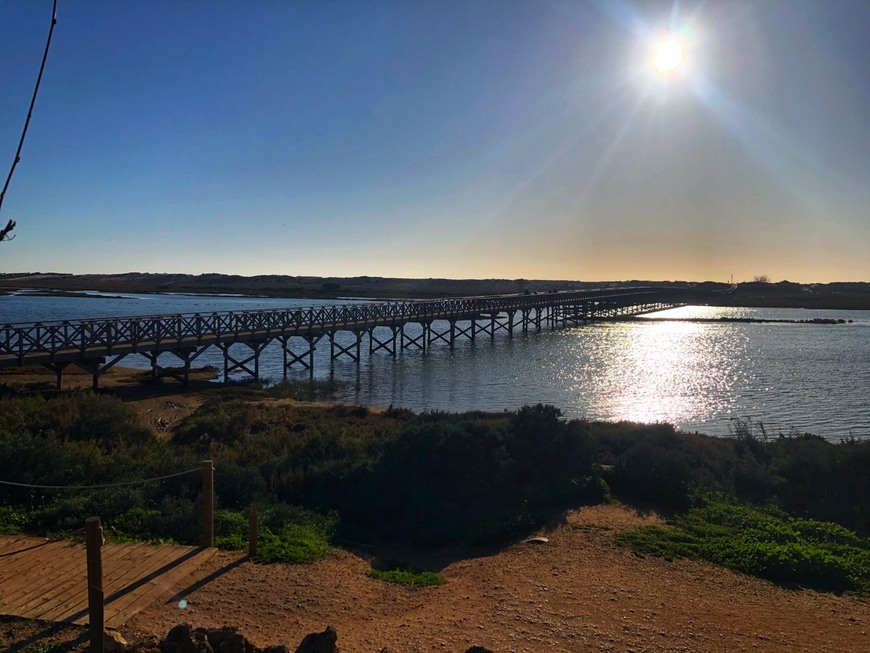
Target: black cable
(32,102)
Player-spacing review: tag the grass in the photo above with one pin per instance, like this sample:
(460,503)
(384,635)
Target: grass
(408,577)
(290,535)
(294,544)
(762,542)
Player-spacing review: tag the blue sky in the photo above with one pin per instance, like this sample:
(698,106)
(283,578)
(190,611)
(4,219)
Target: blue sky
(440,139)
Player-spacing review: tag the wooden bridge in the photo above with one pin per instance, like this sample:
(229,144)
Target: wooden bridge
(98,344)
(47,579)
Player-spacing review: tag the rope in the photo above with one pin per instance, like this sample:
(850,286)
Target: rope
(98,487)
(32,103)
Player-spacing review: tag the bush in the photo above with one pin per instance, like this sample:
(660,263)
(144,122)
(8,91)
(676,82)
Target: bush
(764,543)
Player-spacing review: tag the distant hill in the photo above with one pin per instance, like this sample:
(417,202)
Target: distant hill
(783,294)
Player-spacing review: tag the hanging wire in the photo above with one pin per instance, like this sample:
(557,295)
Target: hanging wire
(98,487)
(29,111)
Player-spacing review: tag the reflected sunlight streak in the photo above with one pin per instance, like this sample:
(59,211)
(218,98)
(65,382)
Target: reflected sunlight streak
(671,374)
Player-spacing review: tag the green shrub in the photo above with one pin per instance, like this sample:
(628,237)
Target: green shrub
(13,520)
(137,522)
(225,422)
(230,530)
(294,543)
(408,577)
(764,543)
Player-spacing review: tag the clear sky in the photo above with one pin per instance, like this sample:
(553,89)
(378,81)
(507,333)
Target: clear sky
(494,138)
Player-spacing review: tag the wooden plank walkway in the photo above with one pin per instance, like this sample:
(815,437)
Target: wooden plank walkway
(47,579)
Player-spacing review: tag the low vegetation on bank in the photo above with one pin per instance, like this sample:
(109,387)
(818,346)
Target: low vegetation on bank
(408,577)
(793,509)
(764,542)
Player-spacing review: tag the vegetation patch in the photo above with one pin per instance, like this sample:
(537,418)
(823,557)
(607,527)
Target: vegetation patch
(294,544)
(288,534)
(408,577)
(762,542)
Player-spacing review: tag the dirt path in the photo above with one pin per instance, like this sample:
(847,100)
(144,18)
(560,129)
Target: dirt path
(577,592)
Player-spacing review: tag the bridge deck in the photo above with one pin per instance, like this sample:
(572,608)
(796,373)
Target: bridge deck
(47,580)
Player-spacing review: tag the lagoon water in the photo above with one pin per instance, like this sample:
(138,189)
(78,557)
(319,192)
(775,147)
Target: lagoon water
(700,376)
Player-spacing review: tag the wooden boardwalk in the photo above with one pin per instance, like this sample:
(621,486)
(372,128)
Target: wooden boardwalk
(47,580)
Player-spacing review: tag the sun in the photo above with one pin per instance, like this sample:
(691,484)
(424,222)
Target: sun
(668,56)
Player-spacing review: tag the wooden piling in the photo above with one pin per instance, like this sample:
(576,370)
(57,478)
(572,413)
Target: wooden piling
(96,606)
(207,503)
(253,518)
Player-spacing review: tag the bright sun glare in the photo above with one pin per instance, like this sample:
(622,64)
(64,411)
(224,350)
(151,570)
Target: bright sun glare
(668,56)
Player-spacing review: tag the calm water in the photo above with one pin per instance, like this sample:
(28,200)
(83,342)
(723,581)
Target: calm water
(699,376)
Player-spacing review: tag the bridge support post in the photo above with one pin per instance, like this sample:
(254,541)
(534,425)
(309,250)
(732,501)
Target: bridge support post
(458,331)
(448,335)
(96,368)
(187,356)
(419,342)
(345,350)
(232,364)
(291,357)
(58,369)
(527,319)
(389,345)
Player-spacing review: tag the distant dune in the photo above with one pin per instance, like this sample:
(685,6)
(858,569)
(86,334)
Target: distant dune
(851,295)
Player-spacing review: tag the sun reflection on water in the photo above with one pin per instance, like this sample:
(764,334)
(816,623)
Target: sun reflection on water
(678,372)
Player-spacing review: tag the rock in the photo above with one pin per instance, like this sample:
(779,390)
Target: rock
(113,642)
(181,639)
(148,645)
(478,649)
(228,640)
(184,639)
(319,642)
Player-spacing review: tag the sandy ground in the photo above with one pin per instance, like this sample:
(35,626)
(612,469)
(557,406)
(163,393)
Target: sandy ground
(577,592)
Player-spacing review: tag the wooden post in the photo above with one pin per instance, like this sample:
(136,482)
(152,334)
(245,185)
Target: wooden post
(252,531)
(207,503)
(96,614)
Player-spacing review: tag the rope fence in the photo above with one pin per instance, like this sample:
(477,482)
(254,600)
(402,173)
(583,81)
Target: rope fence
(102,486)
(206,471)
